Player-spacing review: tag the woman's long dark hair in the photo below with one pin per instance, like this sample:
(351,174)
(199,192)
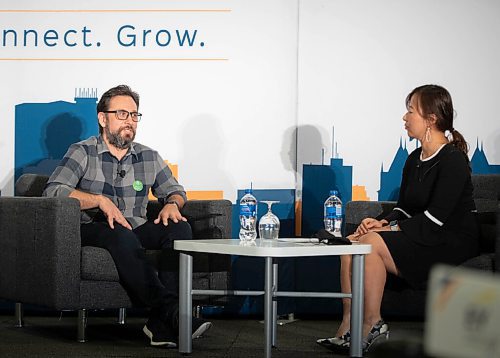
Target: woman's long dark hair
(436,100)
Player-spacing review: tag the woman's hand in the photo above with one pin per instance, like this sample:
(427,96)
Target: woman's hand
(354,237)
(370,224)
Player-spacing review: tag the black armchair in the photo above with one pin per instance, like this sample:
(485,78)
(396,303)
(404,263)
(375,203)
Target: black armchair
(42,261)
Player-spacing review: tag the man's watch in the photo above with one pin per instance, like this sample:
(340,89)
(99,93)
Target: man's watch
(394,225)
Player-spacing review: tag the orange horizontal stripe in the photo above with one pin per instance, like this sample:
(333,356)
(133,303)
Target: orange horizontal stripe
(205,194)
(111,10)
(113,59)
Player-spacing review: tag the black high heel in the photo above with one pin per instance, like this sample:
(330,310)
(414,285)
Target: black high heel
(336,343)
(378,331)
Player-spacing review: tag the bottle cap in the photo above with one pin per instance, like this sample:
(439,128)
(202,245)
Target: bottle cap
(334,192)
(248,191)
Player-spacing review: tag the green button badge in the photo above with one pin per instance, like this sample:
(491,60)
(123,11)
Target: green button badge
(137,185)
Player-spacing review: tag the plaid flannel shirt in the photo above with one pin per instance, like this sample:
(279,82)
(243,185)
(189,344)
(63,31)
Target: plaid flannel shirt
(90,167)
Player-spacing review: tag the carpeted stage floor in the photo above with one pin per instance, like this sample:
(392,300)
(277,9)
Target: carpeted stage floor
(54,336)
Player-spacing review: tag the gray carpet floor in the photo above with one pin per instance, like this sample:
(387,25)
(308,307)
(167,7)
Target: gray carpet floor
(53,336)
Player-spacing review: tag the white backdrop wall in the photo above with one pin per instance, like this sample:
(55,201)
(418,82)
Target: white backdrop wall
(270,82)
(359,59)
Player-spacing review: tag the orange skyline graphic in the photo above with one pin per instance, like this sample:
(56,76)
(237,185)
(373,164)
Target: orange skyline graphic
(359,193)
(192,194)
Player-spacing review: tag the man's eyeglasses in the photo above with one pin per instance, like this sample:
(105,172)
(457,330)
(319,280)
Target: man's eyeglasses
(122,115)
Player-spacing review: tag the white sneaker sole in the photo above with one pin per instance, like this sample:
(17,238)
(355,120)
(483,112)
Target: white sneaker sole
(201,329)
(166,344)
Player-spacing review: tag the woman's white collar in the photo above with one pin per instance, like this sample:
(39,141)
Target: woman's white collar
(432,156)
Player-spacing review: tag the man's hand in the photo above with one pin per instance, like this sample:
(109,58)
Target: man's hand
(370,224)
(108,208)
(112,213)
(169,211)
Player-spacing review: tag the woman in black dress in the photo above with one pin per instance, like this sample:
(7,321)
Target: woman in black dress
(433,221)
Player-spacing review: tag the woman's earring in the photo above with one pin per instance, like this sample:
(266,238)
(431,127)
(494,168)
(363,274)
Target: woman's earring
(428,137)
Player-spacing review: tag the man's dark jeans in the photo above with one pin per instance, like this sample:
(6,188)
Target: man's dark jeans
(138,277)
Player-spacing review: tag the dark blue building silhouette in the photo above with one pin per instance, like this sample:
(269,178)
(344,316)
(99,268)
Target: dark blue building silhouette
(390,181)
(44,131)
(318,180)
(479,162)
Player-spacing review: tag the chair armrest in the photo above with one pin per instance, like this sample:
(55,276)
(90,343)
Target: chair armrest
(40,255)
(209,219)
(355,211)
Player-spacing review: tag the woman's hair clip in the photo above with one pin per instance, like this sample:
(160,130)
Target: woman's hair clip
(448,135)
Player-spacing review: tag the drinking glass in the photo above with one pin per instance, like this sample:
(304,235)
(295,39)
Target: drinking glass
(269,225)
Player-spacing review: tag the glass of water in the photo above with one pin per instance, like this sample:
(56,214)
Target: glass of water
(269,224)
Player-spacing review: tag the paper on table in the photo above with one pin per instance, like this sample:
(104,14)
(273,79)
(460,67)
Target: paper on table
(300,240)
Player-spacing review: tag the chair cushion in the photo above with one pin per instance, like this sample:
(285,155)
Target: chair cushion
(98,265)
(483,262)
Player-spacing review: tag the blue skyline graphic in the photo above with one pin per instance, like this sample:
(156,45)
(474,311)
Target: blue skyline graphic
(480,164)
(44,131)
(390,181)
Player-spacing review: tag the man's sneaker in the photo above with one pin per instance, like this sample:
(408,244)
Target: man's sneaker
(200,326)
(159,334)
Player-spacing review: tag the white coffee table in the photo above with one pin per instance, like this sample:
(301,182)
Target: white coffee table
(269,249)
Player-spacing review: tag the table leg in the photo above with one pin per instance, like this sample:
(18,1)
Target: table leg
(268,303)
(185,303)
(357,283)
(275,304)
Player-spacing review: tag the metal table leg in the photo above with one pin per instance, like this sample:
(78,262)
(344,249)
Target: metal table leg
(268,303)
(185,303)
(275,304)
(82,325)
(19,315)
(357,283)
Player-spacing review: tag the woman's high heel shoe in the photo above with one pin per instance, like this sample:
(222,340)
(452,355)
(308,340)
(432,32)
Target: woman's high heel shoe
(379,330)
(341,345)
(336,343)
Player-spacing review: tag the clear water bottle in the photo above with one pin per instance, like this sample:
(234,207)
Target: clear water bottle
(248,216)
(333,214)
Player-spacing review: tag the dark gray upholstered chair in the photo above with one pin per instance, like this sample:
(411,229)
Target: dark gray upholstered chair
(42,261)
(404,301)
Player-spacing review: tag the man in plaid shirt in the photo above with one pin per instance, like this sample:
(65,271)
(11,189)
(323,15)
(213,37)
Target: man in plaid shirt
(111,176)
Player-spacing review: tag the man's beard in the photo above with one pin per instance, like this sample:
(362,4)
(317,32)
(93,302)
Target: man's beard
(117,140)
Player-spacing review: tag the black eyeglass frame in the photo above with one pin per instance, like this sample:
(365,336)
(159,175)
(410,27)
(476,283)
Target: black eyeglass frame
(136,116)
